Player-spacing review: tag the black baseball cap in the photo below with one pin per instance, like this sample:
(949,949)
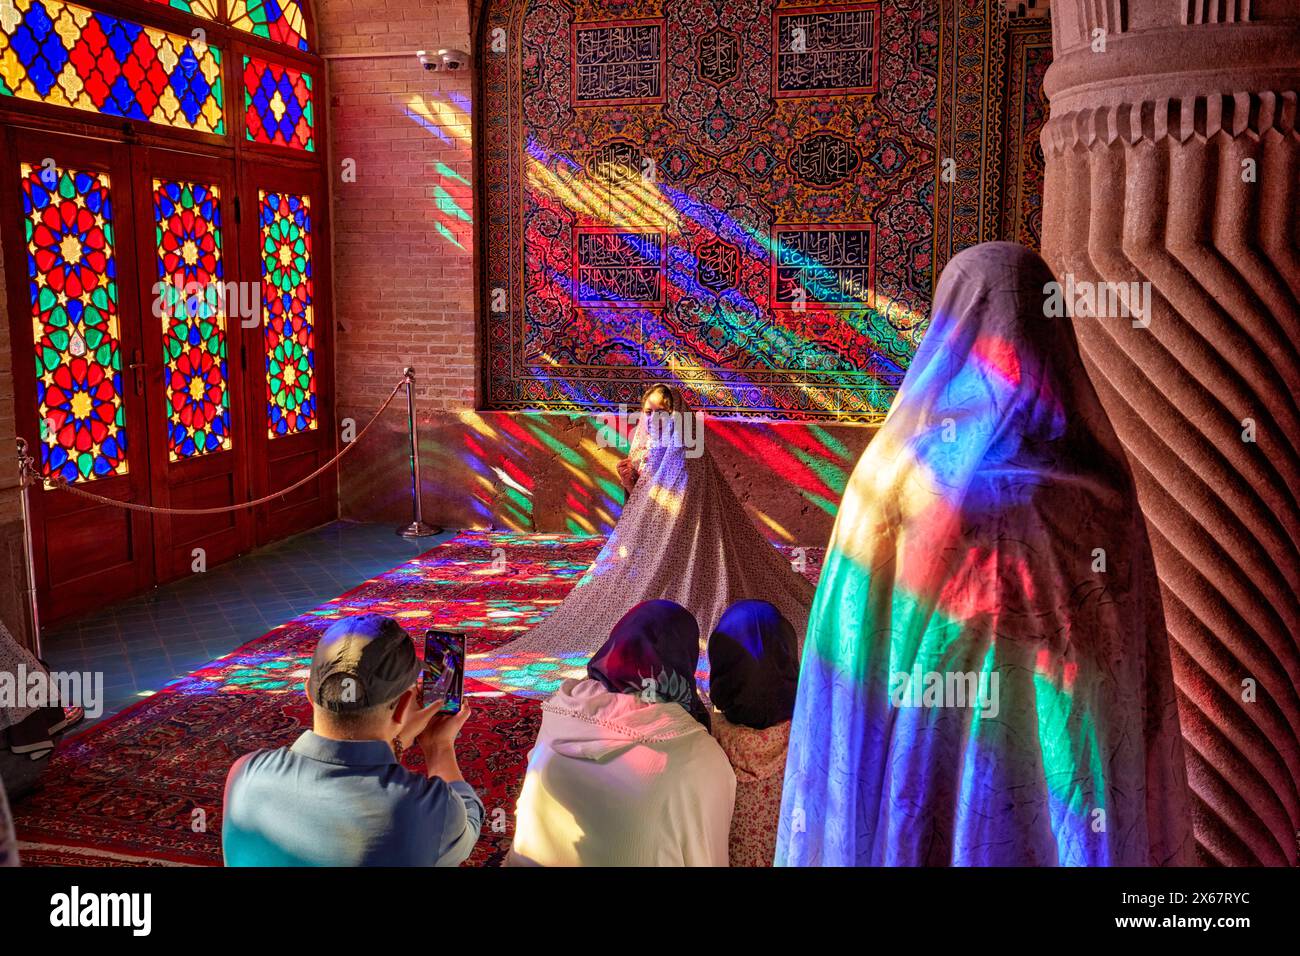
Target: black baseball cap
(374,651)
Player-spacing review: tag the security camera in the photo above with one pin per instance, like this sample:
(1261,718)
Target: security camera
(454,59)
(449,60)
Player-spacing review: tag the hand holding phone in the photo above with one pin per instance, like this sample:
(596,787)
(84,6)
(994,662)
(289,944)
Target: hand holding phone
(438,744)
(443,672)
(416,723)
(442,730)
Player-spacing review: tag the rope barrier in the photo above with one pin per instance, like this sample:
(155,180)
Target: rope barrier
(60,483)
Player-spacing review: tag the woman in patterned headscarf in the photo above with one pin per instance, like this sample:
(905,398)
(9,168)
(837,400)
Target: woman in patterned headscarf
(986,678)
(753,675)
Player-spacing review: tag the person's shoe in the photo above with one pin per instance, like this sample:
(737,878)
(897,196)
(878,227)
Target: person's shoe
(35,735)
(68,717)
(31,734)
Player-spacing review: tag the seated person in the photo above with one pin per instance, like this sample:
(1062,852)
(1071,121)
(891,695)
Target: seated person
(624,772)
(29,731)
(753,674)
(338,796)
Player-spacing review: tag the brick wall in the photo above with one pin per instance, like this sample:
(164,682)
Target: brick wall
(402,231)
(403,239)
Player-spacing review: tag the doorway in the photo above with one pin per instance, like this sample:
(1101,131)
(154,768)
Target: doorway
(167,354)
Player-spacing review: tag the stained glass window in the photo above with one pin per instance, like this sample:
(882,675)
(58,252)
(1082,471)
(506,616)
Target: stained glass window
(187,222)
(278,20)
(200,8)
(68,55)
(72,278)
(287,313)
(277,105)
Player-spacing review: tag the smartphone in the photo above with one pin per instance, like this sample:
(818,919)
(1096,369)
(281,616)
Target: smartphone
(443,672)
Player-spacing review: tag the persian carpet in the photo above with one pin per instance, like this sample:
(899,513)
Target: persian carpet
(145,786)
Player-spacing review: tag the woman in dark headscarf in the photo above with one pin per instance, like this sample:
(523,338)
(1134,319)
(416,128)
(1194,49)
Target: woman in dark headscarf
(653,651)
(624,772)
(986,676)
(753,674)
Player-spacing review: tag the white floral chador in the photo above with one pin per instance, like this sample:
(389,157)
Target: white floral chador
(684,537)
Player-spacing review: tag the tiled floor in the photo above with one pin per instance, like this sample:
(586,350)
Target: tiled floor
(143,643)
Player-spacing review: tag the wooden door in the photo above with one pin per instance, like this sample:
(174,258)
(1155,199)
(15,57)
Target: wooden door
(289,385)
(195,369)
(80,361)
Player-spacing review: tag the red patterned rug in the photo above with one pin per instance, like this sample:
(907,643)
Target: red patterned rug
(145,786)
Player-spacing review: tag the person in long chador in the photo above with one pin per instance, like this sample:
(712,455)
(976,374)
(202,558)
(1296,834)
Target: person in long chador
(986,678)
(683,536)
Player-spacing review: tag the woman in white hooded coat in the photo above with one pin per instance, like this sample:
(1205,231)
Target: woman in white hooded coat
(625,772)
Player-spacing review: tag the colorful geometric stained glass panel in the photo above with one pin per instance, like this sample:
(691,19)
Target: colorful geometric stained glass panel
(278,20)
(72,279)
(67,55)
(200,8)
(277,105)
(187,221)
(287,313)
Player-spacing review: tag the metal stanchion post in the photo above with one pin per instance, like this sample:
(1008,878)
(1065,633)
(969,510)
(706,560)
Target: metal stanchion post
(417,528)
(25,473)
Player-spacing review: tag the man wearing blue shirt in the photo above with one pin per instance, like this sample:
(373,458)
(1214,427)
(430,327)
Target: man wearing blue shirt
(338,796)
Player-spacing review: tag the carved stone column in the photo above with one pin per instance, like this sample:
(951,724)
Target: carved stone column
(1173,159)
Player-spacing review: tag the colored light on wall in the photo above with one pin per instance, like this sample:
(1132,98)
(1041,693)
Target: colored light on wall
(72,277)
(278,108)
(68,55)
(450,122)
(290,336)
(187,221)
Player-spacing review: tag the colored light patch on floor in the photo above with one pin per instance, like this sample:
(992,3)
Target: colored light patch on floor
(523,673)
